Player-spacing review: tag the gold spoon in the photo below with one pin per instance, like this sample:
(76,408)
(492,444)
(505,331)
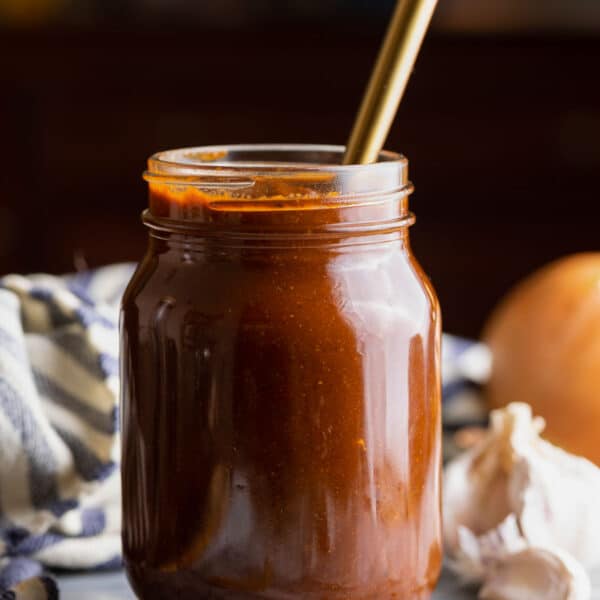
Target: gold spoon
(387,84)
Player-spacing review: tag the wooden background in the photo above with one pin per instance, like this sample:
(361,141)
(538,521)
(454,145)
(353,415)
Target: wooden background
(503,134)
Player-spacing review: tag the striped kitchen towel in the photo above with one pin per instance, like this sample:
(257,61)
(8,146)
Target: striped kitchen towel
(59,442)
(466,366)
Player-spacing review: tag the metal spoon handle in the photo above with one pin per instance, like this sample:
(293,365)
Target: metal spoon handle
(390,76)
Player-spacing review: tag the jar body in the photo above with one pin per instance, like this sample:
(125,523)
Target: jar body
(281,422)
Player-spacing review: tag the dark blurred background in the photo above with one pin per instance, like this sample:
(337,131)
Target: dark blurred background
(501,122)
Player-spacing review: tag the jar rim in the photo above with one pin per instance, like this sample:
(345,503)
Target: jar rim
(190,184)
(278,160)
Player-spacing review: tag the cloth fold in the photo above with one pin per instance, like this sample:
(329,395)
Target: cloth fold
(59,423)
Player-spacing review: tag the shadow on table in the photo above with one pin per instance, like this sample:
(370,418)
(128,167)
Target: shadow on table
(114,586)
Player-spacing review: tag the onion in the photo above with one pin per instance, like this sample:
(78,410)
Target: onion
(545,343)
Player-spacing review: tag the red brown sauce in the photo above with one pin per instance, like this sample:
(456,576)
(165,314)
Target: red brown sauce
(281,407)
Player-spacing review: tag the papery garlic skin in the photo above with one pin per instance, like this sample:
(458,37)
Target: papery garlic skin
(476,555)
(536,573)
(560,503)
(553,497)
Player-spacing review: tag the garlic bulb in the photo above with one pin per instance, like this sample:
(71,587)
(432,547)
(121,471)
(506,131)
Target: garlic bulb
(514,494)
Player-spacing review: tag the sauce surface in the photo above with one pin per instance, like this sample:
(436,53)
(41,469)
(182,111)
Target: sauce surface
(281,409)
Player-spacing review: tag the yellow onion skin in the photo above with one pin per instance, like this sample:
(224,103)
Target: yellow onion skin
(545,343)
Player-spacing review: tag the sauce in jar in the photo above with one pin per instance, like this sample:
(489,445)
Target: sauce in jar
(280,382)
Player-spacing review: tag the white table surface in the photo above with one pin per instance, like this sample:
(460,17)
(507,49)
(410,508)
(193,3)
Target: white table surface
(113,586)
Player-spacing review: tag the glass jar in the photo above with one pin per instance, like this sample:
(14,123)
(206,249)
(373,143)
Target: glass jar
(280,382)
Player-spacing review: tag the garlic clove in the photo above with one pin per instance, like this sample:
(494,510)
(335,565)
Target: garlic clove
(536,574)
(477,554)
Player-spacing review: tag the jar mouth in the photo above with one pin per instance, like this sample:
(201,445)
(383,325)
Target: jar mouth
(275,183)
(283,172)
(239,159)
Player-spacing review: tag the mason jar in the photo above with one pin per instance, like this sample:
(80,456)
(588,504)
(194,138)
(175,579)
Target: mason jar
(280,382)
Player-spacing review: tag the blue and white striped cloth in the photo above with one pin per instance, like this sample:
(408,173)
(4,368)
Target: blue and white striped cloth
(59,439)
